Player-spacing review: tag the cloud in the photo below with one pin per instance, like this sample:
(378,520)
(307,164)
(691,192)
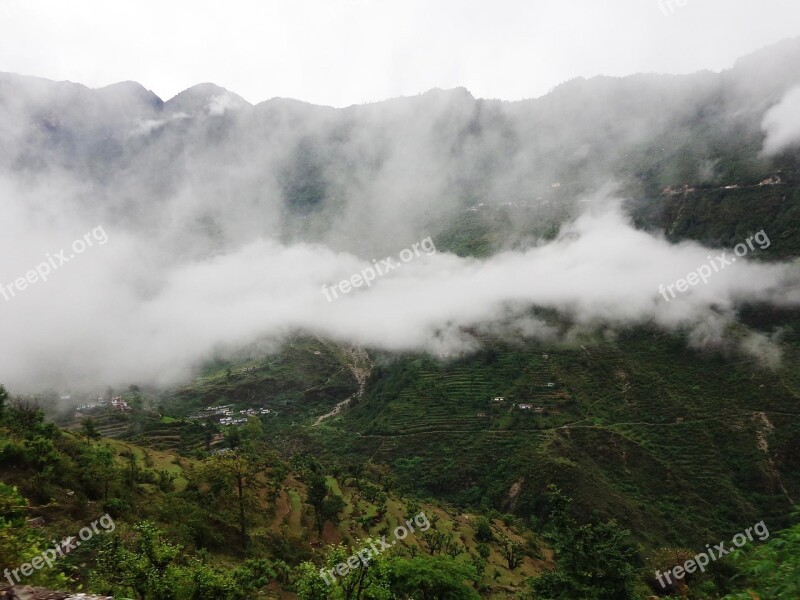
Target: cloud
(781,124)
(145,127)
(222,103)
(765,348)
(223,228)
(122,313)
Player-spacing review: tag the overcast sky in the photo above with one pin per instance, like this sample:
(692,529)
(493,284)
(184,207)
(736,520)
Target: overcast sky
(342,52)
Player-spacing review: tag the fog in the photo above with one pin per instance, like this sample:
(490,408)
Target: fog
(120,313)
(782,124)
(209,225)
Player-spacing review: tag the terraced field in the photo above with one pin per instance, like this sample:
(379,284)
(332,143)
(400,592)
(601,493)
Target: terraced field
(457,396)
(638,428)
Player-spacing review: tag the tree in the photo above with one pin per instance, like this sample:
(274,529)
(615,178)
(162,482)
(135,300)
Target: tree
(136,401)
(132,472)
(513,552)
(483,530)
(244,473)
(442,543)
(362,581)
(332,507)
(233,437)
(253,431)
(479,563)
(308,584)
(145,565)
(483,550)
(98,468)
(19,543)
(432,577)
(594,561)
(27,419)
(770,571)
(89,430)
(165,480)
(412,508)
(255,574)
(42,453)
(326,505)
(557,507)
(240,471)
(210,583)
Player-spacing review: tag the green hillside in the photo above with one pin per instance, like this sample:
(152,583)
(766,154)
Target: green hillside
(676,445)
(637,428)
(176,522)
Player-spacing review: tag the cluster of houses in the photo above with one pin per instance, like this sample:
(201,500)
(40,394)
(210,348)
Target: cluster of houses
(99,404)
(117,403)
(500,401)
(227,415)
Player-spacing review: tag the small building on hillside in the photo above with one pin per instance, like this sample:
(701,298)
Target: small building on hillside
(117,403)
(535,409)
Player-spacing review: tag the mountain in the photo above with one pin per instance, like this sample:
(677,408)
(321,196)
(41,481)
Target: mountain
(572,431)
(299,171)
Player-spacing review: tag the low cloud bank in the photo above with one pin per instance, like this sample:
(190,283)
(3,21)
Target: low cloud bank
(125,312)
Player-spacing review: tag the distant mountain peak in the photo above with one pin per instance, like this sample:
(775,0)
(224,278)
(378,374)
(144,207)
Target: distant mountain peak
(127,90)
(206,98)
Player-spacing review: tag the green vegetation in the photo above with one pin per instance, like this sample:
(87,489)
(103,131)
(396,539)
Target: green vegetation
(662,449)
(246,524)
(770,571)
(630,428)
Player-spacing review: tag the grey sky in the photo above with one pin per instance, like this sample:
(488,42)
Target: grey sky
(340,52)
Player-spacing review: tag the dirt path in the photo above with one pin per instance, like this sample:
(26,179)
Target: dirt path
(607,427)
(361,367)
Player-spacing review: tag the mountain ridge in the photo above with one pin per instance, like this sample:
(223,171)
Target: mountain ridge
(757,61)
